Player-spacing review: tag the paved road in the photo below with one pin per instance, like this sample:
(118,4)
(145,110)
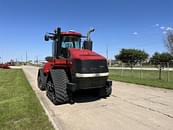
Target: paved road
(130,107)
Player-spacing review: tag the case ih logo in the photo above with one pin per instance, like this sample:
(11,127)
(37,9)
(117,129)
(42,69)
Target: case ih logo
(93,68)
(101,66)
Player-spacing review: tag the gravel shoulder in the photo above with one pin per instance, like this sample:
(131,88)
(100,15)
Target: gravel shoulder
(129,107)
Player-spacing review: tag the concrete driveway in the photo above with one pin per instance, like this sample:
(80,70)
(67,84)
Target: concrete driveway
(130,107)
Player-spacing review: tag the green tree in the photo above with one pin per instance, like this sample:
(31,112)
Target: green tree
(169,41)
(161,58)
(132,56)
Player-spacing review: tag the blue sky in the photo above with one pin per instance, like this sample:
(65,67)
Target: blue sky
(118,23)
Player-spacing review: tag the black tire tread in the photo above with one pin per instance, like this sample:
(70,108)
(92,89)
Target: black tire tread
(105,92)
(60,80)
(41,75)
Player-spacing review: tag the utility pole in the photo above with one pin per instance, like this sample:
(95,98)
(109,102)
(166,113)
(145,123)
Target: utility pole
(2,59)
(36,60)
(107,52)
(26,57)
(107,55)
(21,59)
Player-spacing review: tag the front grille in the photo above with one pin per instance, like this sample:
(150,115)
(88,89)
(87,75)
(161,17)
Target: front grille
(91,66)
(88,83)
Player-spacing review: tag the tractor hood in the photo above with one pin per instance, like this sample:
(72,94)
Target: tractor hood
(86,61)
(84,54)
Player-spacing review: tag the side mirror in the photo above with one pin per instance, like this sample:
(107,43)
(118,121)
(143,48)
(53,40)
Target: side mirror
(46,37)
(88,45)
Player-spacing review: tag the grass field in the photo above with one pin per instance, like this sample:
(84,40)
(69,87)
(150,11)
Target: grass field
(146,77)
(19,106)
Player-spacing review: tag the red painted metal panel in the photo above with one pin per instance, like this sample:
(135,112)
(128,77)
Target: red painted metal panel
(59,63)
(71,33)
(4,66)
(84,54)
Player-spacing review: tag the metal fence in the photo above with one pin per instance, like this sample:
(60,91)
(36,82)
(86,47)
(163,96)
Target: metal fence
(161,72)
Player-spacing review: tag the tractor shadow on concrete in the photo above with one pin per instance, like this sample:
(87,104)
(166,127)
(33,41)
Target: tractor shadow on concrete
(86,96)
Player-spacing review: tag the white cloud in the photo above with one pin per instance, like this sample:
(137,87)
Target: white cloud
(162,28)
(135,33)
(169,29)
(157,25)
(164,32)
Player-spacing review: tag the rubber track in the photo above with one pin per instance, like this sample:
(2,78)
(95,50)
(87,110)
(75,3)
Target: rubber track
(43,79)
(60,81)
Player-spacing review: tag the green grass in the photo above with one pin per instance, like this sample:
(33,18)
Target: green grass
(149,78)
(19,106)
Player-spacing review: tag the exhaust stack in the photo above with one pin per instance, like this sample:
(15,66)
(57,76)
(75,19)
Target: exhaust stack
(88,34)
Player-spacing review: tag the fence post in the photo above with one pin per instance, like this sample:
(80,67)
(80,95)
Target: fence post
(141,71)
(167,71)
(122,70)
(131,69)
(160,72)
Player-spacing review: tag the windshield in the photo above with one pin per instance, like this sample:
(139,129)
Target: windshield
(71,42)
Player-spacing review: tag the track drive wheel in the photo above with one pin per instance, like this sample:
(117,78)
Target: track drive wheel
(51,92)
(57,87)
(105,91)
(40,81)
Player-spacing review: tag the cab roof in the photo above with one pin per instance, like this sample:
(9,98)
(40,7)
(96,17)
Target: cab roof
(71,33)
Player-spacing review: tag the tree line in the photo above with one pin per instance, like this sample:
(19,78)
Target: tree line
(137,56)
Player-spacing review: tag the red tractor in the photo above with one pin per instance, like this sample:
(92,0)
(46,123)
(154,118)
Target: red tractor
(72,68)
(4,66)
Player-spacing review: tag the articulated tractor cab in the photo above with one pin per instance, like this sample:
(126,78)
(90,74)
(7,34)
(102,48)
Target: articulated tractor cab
(73,67)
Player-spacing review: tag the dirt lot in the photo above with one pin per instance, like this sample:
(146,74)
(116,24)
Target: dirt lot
(129,107)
